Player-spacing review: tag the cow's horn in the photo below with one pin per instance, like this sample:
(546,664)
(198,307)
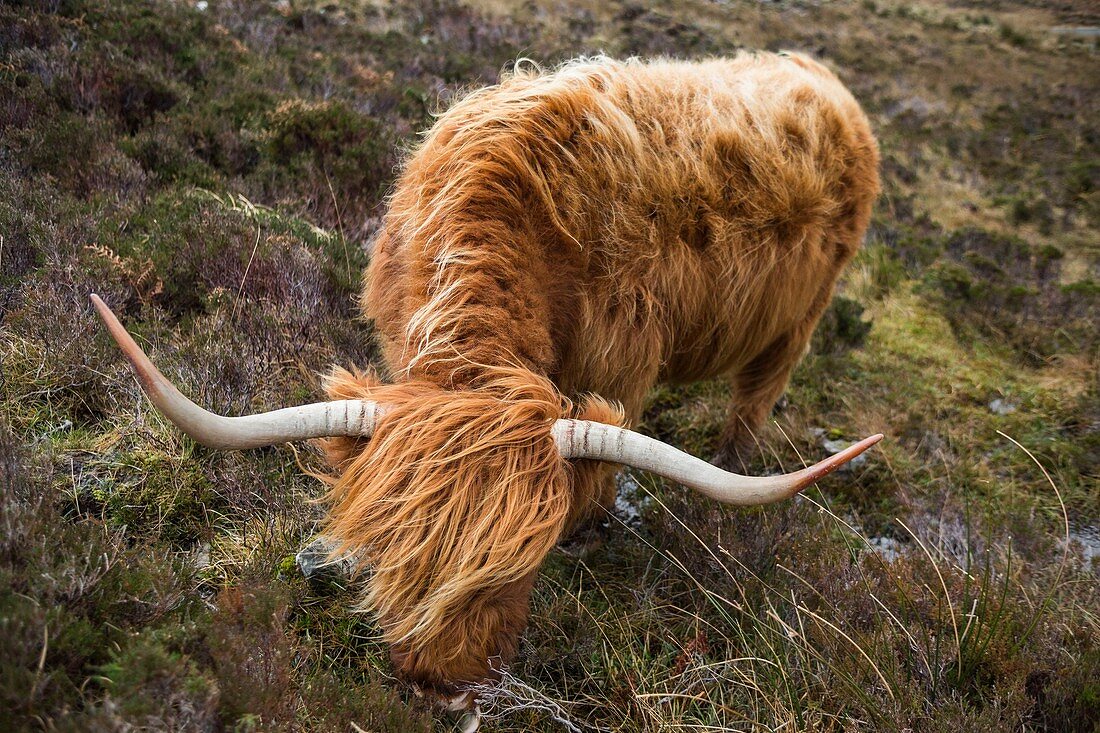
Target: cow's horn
(357,418)
(318,420)
(602,442)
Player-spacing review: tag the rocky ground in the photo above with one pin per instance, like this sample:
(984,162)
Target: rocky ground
(216,171)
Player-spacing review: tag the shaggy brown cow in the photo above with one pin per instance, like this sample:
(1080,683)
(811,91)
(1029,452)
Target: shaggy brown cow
(557,245)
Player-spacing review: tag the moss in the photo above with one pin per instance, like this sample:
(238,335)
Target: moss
(1085,289)
(152,491)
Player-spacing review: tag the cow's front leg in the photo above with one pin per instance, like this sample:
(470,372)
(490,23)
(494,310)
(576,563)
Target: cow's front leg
(756,388)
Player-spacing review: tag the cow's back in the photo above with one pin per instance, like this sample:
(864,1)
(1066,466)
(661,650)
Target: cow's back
(660,221)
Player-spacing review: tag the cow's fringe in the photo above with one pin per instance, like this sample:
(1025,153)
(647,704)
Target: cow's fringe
(453,502)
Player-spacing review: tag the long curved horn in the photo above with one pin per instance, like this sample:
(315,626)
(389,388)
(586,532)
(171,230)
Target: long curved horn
(357,418)
(318,420)
(602,442)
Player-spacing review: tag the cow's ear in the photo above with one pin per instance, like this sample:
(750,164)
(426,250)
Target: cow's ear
(355,384)
(344,384)
(597,409)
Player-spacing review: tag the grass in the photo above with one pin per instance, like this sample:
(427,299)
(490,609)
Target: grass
(217,174)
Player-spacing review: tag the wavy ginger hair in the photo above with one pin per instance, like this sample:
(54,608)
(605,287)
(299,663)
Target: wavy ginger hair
(455,500)
(590,231)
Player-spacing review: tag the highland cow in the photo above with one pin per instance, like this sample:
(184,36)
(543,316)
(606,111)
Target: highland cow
(557,245)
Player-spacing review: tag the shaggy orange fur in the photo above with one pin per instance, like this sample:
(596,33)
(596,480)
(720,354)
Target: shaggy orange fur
(590,231)
(455,500)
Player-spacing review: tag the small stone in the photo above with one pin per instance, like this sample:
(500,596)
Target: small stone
(313,559)
(887,547)
(1002,407)
(630,500)
(835,446)
(1088,539)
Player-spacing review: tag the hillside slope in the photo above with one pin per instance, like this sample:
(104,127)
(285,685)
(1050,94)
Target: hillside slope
(216,171)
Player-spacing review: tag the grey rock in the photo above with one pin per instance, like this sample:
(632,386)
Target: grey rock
(835,446)
(313,559)
(630,499)
(887,547)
